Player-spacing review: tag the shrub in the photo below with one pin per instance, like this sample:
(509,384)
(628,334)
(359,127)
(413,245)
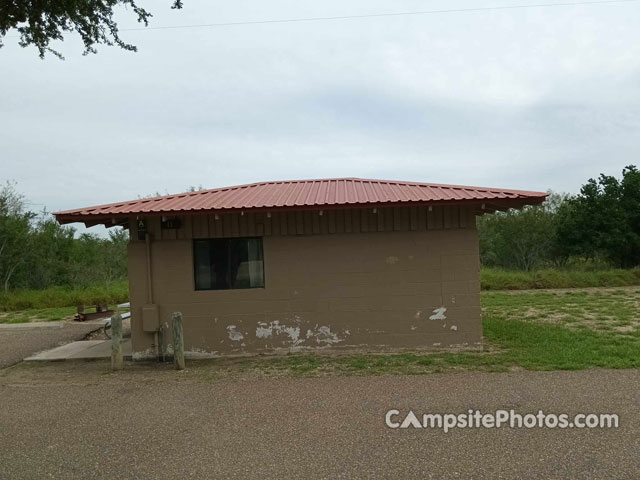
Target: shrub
(497,279)
(116,292)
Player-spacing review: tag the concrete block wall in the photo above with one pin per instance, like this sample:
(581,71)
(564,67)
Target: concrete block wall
(366,291)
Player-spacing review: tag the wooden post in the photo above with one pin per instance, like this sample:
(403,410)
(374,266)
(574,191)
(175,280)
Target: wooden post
(116,342)
(178,340)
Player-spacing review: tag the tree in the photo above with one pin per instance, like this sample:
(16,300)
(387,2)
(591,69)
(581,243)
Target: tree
(520,239)
(15,233)
(604,219)
(37,252)
(39,22)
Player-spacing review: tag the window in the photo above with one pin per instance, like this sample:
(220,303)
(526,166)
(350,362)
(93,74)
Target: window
(225,263)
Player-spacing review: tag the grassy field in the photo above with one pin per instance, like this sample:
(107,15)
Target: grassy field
(496,279)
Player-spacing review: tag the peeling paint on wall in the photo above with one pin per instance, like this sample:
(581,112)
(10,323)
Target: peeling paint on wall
(265,330)
(324,335)
(234,334)
(438,314)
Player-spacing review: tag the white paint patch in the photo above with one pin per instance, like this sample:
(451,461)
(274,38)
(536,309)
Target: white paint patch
(234,334)
(437,344)
(265,330)
(454,327)
(326,336)
(392,260)
(438,314)
(262,331)
(417,315)
(413,327)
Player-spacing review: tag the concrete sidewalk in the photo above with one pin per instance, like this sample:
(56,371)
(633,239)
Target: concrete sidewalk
(85,349)
(21,340)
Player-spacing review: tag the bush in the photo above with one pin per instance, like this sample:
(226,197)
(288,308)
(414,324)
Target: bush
(116,292)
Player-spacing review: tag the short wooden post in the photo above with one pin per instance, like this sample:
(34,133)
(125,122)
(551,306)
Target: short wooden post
(116,342)
(178,340)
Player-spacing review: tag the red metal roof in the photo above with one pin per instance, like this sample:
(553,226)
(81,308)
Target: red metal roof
(304,194)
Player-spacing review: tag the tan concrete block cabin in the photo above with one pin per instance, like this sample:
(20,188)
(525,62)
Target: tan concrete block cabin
(348,264)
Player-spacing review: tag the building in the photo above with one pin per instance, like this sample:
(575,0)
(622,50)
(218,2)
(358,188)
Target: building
(345,264)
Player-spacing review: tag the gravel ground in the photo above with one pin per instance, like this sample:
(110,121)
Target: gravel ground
(72,420)
(20,342)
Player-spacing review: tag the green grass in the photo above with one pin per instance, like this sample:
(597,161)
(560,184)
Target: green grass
(496,279)
(14,300)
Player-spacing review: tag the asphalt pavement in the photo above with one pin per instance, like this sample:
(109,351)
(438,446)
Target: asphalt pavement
(76,421)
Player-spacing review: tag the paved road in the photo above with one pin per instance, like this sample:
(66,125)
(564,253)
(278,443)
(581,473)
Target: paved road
(22,340)
(181,425)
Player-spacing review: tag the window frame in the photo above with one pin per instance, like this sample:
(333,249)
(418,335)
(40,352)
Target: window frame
(227,239)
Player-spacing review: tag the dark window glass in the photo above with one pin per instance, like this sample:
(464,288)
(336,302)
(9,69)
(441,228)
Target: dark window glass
(224,263)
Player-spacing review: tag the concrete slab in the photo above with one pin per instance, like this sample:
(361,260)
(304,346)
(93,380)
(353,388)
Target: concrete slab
(82,350)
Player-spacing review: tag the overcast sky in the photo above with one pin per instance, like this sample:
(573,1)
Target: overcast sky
(539,98)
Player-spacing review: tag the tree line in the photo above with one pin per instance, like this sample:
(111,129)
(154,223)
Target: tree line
(36,252)
(599,227)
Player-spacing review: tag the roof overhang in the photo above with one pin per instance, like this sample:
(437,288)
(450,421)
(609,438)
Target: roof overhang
(119,219)
(304,195)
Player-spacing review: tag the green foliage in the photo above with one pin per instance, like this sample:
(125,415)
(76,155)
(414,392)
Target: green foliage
(600,225)
(604,220)
(36,252)
(499,279)
(520,239)
(15,234)
(40,22)
(52,297)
